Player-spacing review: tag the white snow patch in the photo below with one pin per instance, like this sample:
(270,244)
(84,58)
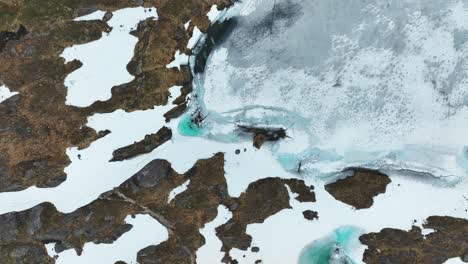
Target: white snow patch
(186,25)
(5,93)
(104,60)
(179,59)
(454,261)
(427,231)
(211,251)
(146,231)
(196,35)
(97,15)
(179,189)
(213,14)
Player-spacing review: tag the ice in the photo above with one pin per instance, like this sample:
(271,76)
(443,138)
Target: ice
(378,84)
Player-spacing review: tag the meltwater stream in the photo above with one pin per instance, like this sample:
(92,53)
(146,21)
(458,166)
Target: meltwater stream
(379,84)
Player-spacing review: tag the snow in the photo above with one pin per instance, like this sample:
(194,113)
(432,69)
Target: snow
(195,37)
(5,93)
(179,59)
(179,189)
(186,25)
(97,15)
(112,52)
(210,253)
(214,13)
(454,261)
(146,231)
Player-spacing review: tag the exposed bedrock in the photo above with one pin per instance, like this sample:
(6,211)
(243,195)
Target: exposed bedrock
(263,134)
(148,144)
(449,240)
(359,189)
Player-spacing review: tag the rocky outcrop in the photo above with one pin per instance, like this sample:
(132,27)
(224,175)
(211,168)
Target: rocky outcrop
(262,199)
(263,134)
(359,189)
(148,144)
(449,240)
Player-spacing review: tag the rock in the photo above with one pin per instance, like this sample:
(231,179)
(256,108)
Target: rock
(254,206)
(255,249)
(237,151)
(449,240)
(262,135)
(148,144)
(359,189)
(108,16)
(310,215)
(175,112)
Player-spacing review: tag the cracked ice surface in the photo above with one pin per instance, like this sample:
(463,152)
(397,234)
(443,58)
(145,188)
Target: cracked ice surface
(380,84)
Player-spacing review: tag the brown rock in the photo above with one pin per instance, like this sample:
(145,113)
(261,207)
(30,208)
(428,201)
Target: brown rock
(310,215)
(148,144)
(359,189)
(450,240)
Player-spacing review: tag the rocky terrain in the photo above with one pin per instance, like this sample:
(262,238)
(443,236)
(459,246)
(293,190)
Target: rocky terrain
(359,189)
(148,144)
(447,239)
(37,125)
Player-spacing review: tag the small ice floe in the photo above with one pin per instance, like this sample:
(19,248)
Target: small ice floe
(5,93)
(104,60)
(146,231)
(179,189)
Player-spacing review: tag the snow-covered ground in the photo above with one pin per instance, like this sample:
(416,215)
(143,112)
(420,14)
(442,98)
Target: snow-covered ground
(104,60)
(5,93)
